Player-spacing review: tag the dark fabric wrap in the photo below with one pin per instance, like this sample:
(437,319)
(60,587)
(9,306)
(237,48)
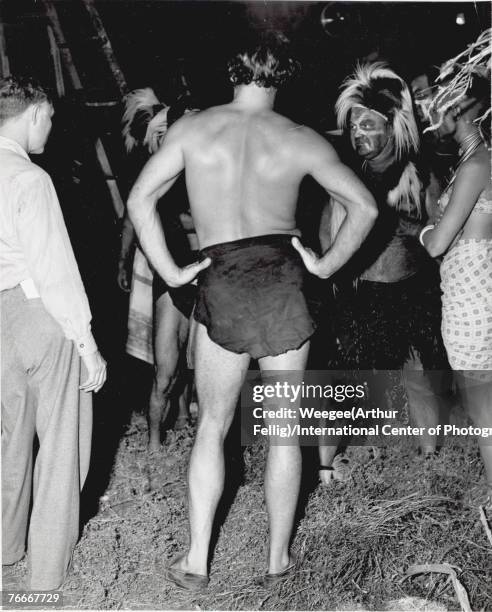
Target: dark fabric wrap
(251,297)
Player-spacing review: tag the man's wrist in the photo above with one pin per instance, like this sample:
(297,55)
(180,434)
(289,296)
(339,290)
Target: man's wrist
(172,276)
(86,345)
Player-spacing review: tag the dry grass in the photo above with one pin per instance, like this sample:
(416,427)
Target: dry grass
(355,541)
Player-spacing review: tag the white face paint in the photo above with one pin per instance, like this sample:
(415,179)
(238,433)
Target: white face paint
(369,132)
(422,95)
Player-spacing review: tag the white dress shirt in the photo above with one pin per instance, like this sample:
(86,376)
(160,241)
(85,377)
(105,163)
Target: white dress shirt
(34,244)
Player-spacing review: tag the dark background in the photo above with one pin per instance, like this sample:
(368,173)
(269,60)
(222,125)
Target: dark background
(155,43)
(156,40)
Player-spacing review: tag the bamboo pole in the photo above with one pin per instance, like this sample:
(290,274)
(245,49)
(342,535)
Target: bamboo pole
(102,157)
(4,59)
(55,55)
(69,64)
(65,52)
(106,46)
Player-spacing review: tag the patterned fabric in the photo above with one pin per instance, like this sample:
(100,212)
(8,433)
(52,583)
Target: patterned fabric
(466,282)
(139,343)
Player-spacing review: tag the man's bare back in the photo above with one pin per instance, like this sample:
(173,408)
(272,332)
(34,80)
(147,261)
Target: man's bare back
(244,164)
(243,170)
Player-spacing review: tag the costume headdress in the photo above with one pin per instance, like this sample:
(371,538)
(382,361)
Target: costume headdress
(144,120)
(376,87)
(458,74)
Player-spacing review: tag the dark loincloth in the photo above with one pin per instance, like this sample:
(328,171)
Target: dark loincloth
(251,297)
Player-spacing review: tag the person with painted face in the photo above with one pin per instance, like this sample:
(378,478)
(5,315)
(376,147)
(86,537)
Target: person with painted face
(388,308)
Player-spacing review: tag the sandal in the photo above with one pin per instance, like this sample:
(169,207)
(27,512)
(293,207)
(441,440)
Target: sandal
(270,580)
(340,470)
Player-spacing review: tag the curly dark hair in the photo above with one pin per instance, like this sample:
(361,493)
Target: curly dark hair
(17,94)
(266,62)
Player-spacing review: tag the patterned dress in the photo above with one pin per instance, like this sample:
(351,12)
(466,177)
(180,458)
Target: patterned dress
(466,283)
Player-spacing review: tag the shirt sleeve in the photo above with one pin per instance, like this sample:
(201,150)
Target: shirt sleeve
(50,261)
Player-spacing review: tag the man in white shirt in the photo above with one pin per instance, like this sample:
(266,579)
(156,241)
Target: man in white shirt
(46,336)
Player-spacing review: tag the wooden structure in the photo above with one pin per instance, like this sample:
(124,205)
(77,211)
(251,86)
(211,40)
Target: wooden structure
(67,76)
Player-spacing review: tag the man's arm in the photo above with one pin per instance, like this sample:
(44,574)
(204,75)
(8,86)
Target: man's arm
(156,178)
(345,187)
(126,250)
(52,266)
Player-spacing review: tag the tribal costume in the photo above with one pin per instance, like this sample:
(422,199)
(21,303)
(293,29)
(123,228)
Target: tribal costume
(388,305)
(145,124)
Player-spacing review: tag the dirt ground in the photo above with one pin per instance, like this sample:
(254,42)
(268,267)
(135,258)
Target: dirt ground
(354,541)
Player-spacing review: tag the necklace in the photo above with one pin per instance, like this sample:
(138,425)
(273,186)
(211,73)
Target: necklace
(469,145)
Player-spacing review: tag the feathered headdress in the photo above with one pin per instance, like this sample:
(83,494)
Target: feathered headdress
(458,73)
(144,120)
(378,88)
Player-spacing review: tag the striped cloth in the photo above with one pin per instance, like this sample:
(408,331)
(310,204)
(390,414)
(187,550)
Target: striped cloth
(139,343)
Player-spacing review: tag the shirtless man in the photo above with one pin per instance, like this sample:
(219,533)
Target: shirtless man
(244,164)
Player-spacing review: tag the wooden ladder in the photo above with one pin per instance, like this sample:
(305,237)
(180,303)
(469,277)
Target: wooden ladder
(64,66)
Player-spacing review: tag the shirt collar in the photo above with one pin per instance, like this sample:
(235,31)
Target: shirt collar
(12,145)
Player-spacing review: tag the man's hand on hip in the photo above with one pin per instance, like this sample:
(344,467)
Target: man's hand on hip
(309,257)
(185,275)
(96,372)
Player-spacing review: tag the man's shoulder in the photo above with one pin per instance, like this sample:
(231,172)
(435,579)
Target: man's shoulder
(208,116)
(194,123)
(19,169)
(307,141)
(29,173)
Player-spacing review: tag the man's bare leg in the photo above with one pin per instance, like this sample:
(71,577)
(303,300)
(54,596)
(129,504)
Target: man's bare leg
(477,399)
(283,469)
(167,343)
(219,376)
(424,400)
(185,396)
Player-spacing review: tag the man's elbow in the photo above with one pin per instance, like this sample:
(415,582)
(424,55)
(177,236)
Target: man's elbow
(134,209)
(368,209)
(131,204)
